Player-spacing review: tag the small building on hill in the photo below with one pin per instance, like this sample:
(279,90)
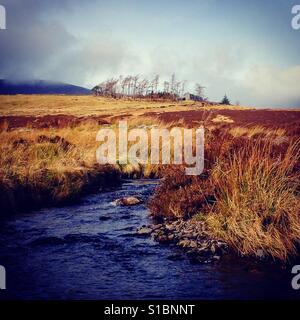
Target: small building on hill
(193,97)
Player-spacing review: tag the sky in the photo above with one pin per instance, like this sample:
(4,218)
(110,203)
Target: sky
(246,49)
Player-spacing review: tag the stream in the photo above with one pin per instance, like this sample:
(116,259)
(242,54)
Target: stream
(91,251)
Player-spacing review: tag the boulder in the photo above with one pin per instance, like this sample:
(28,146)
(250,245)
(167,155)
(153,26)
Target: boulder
(144,231)
(127,201)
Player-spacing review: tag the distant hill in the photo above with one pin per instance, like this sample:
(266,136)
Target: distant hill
(40,87)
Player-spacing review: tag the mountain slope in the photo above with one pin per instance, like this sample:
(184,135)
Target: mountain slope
(40,87)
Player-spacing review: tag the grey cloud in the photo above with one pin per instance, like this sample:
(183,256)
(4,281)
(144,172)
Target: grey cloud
(25,54)
(38,45)
(95,60)
(30,42)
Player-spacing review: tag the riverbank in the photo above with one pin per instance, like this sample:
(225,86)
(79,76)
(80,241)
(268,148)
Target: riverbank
(91,250)
(41,167)
(51,188)
(247,196)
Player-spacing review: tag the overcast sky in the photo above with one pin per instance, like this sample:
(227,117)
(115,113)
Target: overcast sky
(246,49)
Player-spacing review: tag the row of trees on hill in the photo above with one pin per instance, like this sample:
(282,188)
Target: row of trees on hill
(138,87)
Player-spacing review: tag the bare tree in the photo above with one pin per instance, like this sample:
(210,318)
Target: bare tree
(135,81)
(177,87)
(144,87)
(173,81)
(182,88)
(123,85)
(167,87)
(156,83)
(126,85)
(199,90)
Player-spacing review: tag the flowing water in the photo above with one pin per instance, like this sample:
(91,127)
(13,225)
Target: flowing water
(91,251)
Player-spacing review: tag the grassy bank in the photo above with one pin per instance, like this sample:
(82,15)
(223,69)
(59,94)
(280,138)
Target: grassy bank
(248,195)
(53,166)
(49,167)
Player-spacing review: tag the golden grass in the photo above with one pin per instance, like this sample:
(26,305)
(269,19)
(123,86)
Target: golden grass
(47,166)
(252,131)
(58,162)
(41,105)
(257,202)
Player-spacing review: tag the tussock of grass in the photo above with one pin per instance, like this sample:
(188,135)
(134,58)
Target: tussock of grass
(257,204)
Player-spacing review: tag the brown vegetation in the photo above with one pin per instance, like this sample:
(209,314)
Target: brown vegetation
(46,166)
(257,198)
(248,194)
